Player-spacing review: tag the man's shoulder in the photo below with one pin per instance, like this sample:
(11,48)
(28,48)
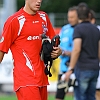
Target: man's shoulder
(66,27)
(14,17)
(83,25)
(66,30)
(79,25)
(42,13)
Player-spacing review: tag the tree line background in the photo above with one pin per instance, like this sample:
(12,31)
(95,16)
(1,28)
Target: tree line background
(61,6)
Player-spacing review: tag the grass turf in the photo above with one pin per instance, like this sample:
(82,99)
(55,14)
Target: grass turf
(50,97)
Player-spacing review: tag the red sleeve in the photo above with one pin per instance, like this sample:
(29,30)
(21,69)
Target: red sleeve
(51,32)
(9,34)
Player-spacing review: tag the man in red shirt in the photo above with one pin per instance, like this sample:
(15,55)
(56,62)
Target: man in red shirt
(22,34)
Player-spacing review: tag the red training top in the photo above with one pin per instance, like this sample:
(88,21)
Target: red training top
(22,34)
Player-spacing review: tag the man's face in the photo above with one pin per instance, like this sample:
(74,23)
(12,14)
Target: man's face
(72,17)
(34,5)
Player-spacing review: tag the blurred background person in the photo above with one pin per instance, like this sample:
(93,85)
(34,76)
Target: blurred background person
(93,21)
(85,54)
(92,17)
(66,45)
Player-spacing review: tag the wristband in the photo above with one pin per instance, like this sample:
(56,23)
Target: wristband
(63,52)
(70,69)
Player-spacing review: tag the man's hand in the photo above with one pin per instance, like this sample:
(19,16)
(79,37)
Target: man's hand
(66,53)
(67,75)
(70,78)
(56,52)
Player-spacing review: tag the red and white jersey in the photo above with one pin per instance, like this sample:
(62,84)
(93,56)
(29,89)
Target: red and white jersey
(22,34)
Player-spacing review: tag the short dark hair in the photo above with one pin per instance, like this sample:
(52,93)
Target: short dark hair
(72,8)
(92,15)
(83,12)
(83,4)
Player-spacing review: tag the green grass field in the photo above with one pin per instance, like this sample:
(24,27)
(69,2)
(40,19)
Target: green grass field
(50,97)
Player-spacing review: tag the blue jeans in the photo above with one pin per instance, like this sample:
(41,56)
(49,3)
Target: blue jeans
(86,88)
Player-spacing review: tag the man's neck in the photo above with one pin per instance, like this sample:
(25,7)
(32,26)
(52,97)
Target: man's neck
(28,10)
(80,21)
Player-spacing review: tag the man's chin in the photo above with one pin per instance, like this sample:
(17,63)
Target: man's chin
(36,9)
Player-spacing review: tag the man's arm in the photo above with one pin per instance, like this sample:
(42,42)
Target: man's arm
(66,53)
(1,56)
(74,56)
(75,52)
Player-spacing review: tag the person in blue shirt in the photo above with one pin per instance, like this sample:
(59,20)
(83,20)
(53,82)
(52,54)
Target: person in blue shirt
(66,36)
(66,46)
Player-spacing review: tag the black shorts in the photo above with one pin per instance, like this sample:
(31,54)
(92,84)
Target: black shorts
(60,94)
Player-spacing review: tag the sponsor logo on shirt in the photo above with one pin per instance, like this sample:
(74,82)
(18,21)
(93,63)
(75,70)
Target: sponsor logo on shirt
(33,38)
(35,21)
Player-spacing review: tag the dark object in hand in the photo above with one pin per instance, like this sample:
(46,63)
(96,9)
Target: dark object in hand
(47,47)
(55,41)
